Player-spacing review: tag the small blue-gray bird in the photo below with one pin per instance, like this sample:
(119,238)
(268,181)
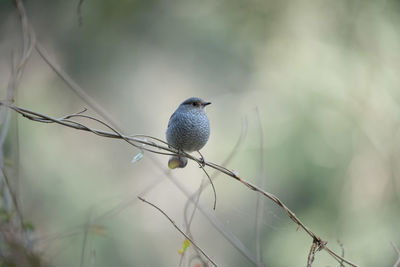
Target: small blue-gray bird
(188,129)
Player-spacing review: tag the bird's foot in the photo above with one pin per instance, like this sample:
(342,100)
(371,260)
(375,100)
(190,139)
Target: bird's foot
(202,160)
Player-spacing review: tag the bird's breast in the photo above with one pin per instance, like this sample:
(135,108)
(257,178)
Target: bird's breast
(188,131)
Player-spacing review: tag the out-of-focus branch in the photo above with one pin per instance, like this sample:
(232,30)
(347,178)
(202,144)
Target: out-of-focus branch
(311,254)
(191,199)
(188,221)
(143,142)
(103,113)
(397,263)
(76,88)
(15,247)
(182,232)
(79,12)
(342,254)
(260,199)
(230,237)
(13,197)
(156,145)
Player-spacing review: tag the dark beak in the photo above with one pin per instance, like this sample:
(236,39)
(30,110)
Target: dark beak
(206,103)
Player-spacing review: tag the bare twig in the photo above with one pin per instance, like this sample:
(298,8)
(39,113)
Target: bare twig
(29,40)
(93,258)
(84,242)
(79,12)
(138,141)
(216,173)
(342,254)
(75,87)
(191,199)
(311,254)
(188,221)
(214,191)
(13,197)
(182,232)
(86,229)
(15,237)
(260,199)
(98,108)
(154,145)
(317,245)
(397,263)
(215,222)
(17,68)
(209,215)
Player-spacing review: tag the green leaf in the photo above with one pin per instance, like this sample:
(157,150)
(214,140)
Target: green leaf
(29,226)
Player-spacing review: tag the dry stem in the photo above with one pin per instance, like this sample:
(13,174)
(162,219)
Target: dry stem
(182,232)
(156,145)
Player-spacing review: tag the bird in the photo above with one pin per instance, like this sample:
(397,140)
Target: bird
(188,130)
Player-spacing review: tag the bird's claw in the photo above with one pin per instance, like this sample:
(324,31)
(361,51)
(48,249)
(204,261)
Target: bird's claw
(202,162)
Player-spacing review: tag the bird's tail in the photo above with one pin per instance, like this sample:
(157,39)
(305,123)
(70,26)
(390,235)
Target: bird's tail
(177,162)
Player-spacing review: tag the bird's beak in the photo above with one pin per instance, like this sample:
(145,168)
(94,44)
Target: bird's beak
(206,103)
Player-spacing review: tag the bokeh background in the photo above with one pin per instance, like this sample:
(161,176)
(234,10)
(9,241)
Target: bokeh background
(323,75)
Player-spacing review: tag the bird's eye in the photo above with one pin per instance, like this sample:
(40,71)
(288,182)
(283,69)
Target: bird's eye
(194,104)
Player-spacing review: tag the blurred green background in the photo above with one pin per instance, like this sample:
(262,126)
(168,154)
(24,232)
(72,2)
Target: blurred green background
(324,76)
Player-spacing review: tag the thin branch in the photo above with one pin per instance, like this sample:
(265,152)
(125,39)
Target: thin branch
(93,258)
(85,238)
(79,12)
(82,94)
(342,254)
(203,185)
(98,108)
(84,241)
(215,174)
(397,263)
(317,245)
(17,68)
(9,190)
(194,198)
(210,216)
(311,254)
(29,42)
(177,228)
(69,81)
(188,221)
(75,87)
(124,204)
(13,197)
(260,199)
(212,184)
(139,142)
(236,243)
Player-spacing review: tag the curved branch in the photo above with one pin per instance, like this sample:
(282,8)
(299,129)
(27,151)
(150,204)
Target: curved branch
(138,142)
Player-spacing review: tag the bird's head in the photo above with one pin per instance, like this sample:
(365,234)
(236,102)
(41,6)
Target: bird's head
(194,103)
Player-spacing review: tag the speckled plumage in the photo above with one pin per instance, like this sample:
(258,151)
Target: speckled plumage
(189,127)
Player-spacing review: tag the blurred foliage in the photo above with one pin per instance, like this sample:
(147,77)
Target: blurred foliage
(324,75)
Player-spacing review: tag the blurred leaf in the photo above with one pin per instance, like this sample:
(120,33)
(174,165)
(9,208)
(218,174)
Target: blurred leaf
(29,226)
(185,245)
(137,157)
